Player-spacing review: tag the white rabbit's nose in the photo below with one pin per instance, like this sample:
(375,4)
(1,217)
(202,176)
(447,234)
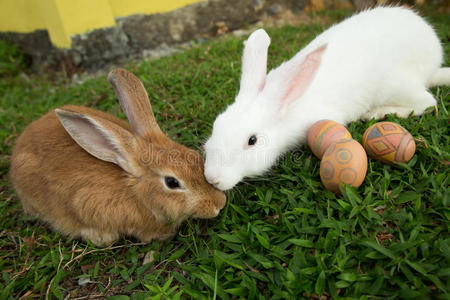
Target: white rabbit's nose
(214,180)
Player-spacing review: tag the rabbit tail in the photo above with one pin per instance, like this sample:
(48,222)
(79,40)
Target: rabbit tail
(440,77)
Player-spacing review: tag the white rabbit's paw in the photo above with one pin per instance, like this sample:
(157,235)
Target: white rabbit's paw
(381,112)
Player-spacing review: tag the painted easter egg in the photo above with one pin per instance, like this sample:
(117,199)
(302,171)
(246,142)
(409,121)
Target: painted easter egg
(323,133)
(389,143)
(345,161)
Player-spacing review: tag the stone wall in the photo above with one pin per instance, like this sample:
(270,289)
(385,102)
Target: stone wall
(139,36)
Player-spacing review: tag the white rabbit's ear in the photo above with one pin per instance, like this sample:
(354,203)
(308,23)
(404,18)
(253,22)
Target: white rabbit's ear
(296,76)
(102,139)
(254,64)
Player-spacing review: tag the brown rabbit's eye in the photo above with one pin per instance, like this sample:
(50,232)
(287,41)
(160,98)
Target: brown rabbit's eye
(252,140)
(172,183)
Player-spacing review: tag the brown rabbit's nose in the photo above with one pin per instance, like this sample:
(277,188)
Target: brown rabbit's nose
(221,199)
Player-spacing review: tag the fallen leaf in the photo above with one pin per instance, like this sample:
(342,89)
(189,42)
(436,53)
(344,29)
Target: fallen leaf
(149,257)
(382,236)
(251,268)
(84,280)
(86,268)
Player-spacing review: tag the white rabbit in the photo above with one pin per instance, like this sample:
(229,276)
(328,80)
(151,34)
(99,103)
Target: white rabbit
(376,62)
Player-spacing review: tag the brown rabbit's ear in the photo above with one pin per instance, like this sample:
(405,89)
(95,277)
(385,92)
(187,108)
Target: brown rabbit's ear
(134,101)
(100,138)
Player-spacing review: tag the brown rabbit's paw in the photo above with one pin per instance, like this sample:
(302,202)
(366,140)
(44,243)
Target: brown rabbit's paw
(99,238)
(166,236)
(29,210)
(157,236)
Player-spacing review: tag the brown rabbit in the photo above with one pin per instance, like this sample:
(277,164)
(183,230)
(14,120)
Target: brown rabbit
(91,175)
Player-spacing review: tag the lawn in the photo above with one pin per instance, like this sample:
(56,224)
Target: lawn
(280,236)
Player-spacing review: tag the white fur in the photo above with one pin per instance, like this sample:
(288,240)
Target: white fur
(376,62)
(440,77)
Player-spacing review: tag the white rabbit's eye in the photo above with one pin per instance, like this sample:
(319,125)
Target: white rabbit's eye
(252,140)
(172,183)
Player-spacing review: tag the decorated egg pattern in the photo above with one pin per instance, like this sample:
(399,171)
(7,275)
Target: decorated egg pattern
(345,161)
(389,143)
(323,133)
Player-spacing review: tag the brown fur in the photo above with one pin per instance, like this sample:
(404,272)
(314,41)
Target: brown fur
(83,196)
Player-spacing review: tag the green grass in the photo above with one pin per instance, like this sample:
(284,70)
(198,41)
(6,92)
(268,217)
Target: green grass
(281,236)
(12,61)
